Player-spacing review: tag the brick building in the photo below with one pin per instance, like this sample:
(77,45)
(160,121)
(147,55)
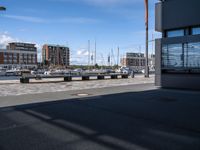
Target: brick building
(55,55)
(135,61)
(18,55)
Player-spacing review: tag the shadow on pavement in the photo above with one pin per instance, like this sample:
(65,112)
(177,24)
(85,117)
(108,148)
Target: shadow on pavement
(149,120)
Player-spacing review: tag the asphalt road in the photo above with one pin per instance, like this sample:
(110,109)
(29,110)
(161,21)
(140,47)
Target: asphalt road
(148,119)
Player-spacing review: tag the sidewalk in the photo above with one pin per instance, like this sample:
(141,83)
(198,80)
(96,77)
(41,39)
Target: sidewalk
(8,88)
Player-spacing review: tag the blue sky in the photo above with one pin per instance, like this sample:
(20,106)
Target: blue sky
(72,23)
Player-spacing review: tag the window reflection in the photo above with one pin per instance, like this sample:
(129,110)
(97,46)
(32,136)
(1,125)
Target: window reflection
(192,55)
(172,56)
(164,56)
(175,33)
(181,57)
(196,31)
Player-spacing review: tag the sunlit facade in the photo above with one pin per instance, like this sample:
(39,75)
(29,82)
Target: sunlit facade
(18,55)
(55,55)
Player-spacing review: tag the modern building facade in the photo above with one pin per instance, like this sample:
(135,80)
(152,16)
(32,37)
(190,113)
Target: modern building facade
(19,55)
(178,51)
(55,55)
(135,61)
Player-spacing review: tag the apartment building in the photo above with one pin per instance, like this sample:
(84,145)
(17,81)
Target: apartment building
(55,55)
(178,51)
(135,61)
(18,55)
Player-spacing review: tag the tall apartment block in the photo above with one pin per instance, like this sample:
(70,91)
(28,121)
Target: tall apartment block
(55,55)
(18,55)
(178,51)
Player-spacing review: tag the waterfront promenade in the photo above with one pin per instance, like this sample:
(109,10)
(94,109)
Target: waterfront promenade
(13,87)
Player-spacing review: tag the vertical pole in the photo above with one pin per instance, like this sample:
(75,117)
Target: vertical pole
(151,59)
(147,39)
(152,43)
(95,53)
(140,57)
(92,58)
(40,58)
(88,53)
(111,58)
(118,57)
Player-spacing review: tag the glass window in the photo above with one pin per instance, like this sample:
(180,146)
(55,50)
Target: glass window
(164,56)
(172,56)
(196,31)
(181,58)
(192,55)
(175,33)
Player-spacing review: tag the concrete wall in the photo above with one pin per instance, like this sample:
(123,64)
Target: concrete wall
(173,14)
(181,81)
(184,39)
(158,17)
(158,48)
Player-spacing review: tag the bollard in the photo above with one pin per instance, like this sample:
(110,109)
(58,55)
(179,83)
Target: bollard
(38,77)
(67,79)
(125,76)
(85,78)
(113,76)
(24,80)
(132,74)
(100,77)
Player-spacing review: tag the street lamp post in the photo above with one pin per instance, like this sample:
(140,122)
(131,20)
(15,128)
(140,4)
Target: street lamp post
(147,38)
(2,8)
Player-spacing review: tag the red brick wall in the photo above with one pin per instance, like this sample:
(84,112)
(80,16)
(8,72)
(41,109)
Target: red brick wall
(1,58)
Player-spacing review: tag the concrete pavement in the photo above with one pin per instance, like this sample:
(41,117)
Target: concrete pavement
(139,117)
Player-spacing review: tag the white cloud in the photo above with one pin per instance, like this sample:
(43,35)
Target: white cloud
(39,52)
(82,53)
(80,57)
(5,38)
(25,18)
(38,46)
(78,20)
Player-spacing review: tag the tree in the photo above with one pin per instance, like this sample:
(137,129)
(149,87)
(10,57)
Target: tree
(96,66)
